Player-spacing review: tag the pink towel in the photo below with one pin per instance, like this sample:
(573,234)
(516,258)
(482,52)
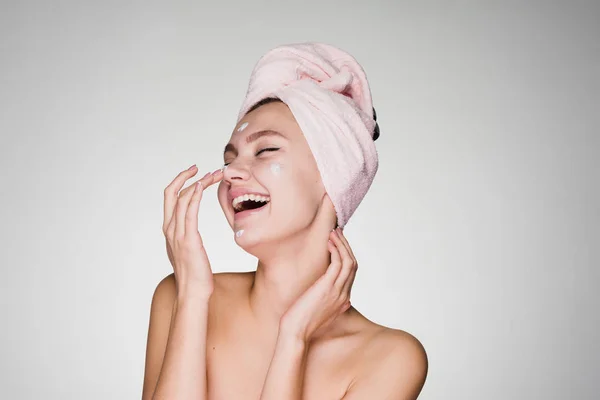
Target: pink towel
(327,91)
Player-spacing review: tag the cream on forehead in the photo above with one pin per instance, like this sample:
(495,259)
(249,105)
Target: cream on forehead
(242,127)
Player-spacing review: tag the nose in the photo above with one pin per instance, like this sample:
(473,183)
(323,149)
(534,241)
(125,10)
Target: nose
(236,170)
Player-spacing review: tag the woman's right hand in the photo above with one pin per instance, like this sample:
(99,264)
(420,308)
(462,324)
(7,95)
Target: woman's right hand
(193,274)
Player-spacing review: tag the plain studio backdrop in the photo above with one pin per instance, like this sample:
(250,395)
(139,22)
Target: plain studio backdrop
(479,235)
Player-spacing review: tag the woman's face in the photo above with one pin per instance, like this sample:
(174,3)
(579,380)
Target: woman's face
(268,155)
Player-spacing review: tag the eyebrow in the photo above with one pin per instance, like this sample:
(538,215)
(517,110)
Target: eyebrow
(252,138)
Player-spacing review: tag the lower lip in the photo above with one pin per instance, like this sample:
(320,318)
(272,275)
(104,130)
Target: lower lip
(247,213)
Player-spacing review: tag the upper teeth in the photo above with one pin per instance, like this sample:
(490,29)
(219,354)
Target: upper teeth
(245,197)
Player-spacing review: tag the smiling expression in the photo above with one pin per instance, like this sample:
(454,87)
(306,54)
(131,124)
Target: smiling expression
(270,157)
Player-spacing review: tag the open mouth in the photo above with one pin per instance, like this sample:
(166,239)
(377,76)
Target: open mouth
(249,202)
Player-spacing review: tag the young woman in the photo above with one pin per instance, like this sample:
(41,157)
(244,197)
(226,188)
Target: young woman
(287,330)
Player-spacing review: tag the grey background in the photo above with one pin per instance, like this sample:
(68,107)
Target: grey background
(480,234)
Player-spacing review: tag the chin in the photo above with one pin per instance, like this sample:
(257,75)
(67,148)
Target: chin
(254,244)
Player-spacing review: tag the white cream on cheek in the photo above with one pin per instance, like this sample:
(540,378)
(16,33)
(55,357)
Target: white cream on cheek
(239,233)
(276,169)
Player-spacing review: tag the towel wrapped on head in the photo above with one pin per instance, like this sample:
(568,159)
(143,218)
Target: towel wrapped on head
(327,92)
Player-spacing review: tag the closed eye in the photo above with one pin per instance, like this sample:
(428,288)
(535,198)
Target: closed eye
(268,149)
(262,150)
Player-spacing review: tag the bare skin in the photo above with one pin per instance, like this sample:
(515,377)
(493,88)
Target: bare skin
(239,351)
(286,331)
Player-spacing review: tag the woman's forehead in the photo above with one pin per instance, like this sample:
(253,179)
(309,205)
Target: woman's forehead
(269,117)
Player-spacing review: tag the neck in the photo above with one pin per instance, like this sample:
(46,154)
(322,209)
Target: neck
(286,274)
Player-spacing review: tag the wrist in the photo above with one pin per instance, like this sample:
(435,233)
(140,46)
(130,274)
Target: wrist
(194,291)
(194,295)
(289,334)
(291,343)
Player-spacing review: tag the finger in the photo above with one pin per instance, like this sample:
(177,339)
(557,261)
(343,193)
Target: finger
(349,282)
(347,263)
(212,178)
(171,192)
(185,198)
(191,216)
(349,249)
(345,241)
(181,209)
(335,265)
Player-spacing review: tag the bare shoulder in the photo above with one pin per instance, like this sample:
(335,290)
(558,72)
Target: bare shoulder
(395,366)
(397,342)
(158,332)
(165,293)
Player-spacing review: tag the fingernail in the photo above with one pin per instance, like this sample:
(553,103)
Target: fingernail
(191,167)
(218,170)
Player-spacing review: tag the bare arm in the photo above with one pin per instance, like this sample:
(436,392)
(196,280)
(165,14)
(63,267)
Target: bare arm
(176,361)
(176,348)
(285,376)
(158,333)
(183,373)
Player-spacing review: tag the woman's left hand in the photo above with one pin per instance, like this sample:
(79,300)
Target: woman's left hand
(328,297)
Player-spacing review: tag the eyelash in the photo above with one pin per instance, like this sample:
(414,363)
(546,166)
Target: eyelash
(260,151)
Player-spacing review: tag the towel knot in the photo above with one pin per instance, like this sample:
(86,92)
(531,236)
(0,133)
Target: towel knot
(340,82)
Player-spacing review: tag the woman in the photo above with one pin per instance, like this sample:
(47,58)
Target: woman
(298,163)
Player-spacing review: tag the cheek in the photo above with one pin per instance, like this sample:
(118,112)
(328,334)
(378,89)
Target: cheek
(275,169)
(293,187)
